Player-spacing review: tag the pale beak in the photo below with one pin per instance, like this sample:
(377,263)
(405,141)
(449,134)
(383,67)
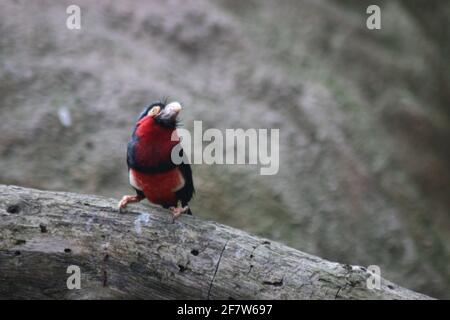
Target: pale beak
(173,108)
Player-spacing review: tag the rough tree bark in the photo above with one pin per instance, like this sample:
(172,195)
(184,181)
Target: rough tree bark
(141,254)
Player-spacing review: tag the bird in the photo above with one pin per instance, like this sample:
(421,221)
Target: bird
(151,171)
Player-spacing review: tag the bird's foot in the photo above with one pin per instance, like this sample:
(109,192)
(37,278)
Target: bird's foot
(126,200)
(177,211)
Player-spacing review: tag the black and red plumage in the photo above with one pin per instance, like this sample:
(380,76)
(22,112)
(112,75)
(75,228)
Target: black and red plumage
(152,173)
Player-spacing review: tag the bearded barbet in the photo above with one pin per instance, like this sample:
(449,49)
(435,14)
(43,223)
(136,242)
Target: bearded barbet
(151,171)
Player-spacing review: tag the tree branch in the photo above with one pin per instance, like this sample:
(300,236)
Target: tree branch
(141,254)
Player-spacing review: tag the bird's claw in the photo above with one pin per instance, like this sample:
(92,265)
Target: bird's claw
(122,203)
(177,211)
(126,200)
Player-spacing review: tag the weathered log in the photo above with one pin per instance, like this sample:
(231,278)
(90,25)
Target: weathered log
(141,254)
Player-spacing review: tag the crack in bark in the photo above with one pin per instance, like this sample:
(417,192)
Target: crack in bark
(251,258)
(217,268)
(337,293)
(277,283)
(104,272)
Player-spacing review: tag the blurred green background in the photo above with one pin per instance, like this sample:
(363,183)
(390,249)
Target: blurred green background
(364,115)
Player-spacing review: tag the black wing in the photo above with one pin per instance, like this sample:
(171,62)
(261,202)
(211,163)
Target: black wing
(186,193)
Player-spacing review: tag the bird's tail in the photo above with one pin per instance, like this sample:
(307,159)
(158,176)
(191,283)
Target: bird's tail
(189,212)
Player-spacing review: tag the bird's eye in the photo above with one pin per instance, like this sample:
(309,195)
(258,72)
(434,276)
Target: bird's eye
(153,111)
